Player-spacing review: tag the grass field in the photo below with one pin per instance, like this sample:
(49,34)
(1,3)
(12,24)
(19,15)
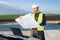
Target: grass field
(51,14)
(9,17)
(12,17)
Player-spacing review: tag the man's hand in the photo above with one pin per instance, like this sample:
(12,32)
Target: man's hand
(20,17)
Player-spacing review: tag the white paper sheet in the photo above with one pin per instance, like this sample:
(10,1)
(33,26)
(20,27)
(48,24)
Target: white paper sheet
(27,22)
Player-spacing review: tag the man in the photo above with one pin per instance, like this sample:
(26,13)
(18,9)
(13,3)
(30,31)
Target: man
(40,18)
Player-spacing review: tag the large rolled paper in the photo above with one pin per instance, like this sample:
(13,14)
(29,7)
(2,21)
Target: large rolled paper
(27,22)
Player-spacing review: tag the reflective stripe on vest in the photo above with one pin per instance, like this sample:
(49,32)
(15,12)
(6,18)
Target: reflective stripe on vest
(40,18)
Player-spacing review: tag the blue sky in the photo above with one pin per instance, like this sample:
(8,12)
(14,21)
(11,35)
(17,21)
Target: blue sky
(47,6)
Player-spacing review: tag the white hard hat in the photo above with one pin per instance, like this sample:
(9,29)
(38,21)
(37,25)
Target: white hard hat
(34,6)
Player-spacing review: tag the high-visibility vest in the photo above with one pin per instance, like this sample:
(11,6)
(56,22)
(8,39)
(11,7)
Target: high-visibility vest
(40,18)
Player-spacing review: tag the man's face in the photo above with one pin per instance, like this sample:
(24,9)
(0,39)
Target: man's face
(36,9)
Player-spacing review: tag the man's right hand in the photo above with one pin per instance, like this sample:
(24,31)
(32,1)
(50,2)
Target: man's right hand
(20,17)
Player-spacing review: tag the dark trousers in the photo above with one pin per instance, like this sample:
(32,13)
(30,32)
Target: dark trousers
(38,34)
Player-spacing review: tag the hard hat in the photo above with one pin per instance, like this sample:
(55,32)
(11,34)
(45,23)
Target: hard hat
(34,6)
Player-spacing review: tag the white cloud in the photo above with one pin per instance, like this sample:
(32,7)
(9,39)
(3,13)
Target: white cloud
(1,2)
(7,3)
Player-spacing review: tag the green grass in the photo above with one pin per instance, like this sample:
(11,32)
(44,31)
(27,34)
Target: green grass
(51,14)
(9,17)
(12,17)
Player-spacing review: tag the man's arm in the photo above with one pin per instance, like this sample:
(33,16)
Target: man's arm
(43,21)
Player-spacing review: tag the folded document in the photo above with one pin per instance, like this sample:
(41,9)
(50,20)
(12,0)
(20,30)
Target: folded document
(27,22)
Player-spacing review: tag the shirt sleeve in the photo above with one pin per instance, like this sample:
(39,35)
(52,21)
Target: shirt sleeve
(43,21)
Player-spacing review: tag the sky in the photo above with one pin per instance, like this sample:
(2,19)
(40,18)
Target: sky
(47,6)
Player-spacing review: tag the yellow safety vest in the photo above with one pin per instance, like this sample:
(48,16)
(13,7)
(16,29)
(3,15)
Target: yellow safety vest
(40,18)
